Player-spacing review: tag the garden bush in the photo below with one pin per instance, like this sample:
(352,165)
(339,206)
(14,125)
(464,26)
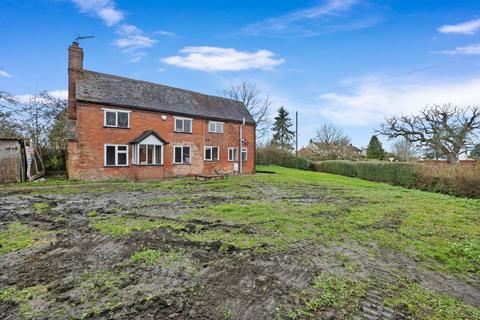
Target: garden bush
(280,157)
(462,181)
(341,167)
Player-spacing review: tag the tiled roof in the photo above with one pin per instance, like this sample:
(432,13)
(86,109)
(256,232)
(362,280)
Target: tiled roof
(114,90)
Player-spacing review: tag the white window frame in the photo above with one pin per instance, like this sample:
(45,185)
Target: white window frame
(136,154)
(183,124)
(116,155)
(236,154)
(116,111)
(216,124)
(246,154)
(180,146)
(211,153)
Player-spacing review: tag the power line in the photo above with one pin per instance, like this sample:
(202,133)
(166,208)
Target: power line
(392,76)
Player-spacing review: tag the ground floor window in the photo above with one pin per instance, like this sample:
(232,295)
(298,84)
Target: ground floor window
(244,154)
(148,154)
(211,154)
(232,154)
(116,155)
(181,155)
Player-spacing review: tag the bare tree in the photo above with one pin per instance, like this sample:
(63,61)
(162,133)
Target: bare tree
(331,143)
(256,104)
(448,128)
(403,150)
(8,126)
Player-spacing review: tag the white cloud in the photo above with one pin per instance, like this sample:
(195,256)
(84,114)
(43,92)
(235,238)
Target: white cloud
(5,74)
(134,42)
(469,27)
(166,33)
(331,16)
(223,59)
(25,98)
(104,9)
(473,49)
(128,29)
(370,104)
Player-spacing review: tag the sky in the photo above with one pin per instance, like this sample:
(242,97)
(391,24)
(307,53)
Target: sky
(351,63)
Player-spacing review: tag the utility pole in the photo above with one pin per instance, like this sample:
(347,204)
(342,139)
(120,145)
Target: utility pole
(296,133)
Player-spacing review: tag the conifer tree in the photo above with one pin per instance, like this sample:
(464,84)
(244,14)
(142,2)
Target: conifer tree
(375,149)
(282,135)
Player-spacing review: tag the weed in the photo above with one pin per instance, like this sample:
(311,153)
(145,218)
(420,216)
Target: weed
(333,292)
(425,304)
(41,207)
(92,214)
(18,236)
(122,225)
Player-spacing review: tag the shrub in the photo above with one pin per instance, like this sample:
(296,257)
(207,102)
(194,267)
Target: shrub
(396,173)
(462,181)
(341,167)
(281,157)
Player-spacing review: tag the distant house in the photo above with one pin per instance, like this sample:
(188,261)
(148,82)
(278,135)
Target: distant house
(120,128)
(315,150)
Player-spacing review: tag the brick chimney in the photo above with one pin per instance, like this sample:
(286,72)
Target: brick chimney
(75,71)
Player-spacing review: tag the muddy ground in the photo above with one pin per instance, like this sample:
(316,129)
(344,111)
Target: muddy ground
(75,271)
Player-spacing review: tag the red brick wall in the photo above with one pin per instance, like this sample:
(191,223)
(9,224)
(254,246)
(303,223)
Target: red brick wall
(86,154)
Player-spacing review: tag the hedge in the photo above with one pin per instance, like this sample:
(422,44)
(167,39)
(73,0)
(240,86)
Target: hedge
(278,156)
(463,181)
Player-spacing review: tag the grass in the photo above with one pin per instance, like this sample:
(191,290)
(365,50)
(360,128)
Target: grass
(331,291)
(123,226)
(19,236)
(41,207)
(155,257)
(443,231)
(22,297)
(428,305)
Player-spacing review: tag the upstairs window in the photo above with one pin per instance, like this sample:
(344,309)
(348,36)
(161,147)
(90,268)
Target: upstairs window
(211,154)
(215,127)
(116,155)
(232,154)
(116,118)
(244,154)
(181,155)
(183,125)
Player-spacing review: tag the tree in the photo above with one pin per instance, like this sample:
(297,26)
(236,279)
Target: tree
(475,154)
(375,149)
(7,123)
(403,150)
(283,136)
(331,143)
(258,106)
(448,128)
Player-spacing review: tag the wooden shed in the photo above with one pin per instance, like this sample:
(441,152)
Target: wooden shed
(12,160)
(19,161)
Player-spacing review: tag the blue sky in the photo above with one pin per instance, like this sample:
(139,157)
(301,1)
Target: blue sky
(322,58)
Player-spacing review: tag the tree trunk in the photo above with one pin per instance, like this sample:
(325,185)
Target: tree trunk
(452,158)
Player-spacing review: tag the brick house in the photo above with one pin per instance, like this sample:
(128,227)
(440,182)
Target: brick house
(120,128)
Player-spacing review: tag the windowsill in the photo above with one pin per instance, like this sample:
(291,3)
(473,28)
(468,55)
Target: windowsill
(182,164)
(211,160)
(215,132)
(114,166)
(182,132)
(149,165)
(233,160)
(111,127)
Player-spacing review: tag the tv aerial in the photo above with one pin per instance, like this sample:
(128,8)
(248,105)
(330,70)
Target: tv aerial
(79,37)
